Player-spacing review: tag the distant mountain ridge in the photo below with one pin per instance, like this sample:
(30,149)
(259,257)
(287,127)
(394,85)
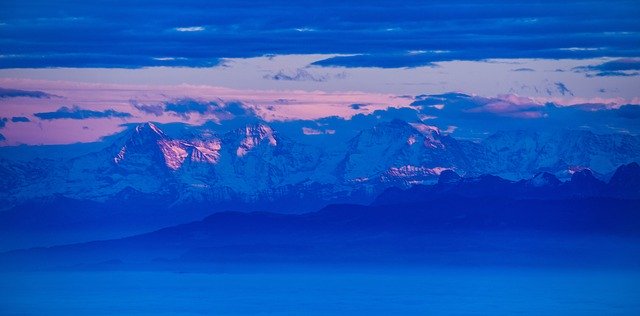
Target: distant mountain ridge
(58,219)
(445,232)
(624,184)
(257,165)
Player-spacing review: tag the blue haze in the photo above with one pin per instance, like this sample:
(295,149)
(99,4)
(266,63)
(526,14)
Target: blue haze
(386,292)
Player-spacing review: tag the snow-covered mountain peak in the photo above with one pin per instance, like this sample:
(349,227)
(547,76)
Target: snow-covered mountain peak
(255,162)
(205,151)
(253,135)
(147,145)
(149,127)
(396,130)
(430,133)
(397,150)
(147,133)
(582,174)
(427,130)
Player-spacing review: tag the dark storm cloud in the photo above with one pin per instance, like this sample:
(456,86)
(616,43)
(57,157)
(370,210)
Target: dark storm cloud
(198,33)
(77,113)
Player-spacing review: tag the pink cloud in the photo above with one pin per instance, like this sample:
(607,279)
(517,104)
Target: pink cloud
(265,103)
(270,105)
(509,105)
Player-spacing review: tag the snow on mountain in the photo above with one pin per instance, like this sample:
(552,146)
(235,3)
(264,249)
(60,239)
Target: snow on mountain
(518,154)
(398,151)
(149,147)
(256,163)
(255,159)
(207,152)
(254,136)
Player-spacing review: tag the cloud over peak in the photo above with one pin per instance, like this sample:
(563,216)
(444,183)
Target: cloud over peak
(185,107)
(78,113)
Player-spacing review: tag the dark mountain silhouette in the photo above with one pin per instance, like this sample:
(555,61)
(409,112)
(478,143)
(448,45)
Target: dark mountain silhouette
(459,230)
(55,220)
(624,184)
(626,181)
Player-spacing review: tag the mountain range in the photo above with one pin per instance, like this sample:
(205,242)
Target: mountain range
(258,165)
(402,229)
(151,176)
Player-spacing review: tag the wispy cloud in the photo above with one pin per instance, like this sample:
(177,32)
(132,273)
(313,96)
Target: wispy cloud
(314,131)
(384,60)
(15,93)
(190,29)
(197,104)
(155,109)
(77,113)
(302,75)
(185,107)
(622,67)
(20,119)
(508,112)
(523,70)
(562,89)
(618,65)
(614,74)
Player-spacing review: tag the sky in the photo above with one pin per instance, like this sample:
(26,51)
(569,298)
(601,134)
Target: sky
(76,71)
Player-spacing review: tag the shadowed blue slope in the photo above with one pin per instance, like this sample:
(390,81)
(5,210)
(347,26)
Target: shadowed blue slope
(461,231)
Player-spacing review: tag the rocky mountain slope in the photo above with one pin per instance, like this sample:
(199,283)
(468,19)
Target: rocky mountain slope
(257,165)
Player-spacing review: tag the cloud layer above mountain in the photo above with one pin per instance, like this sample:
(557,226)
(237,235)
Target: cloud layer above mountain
(184,107)
(475,116)
(380,34)
(77,113)
(75,71)
(299,113)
